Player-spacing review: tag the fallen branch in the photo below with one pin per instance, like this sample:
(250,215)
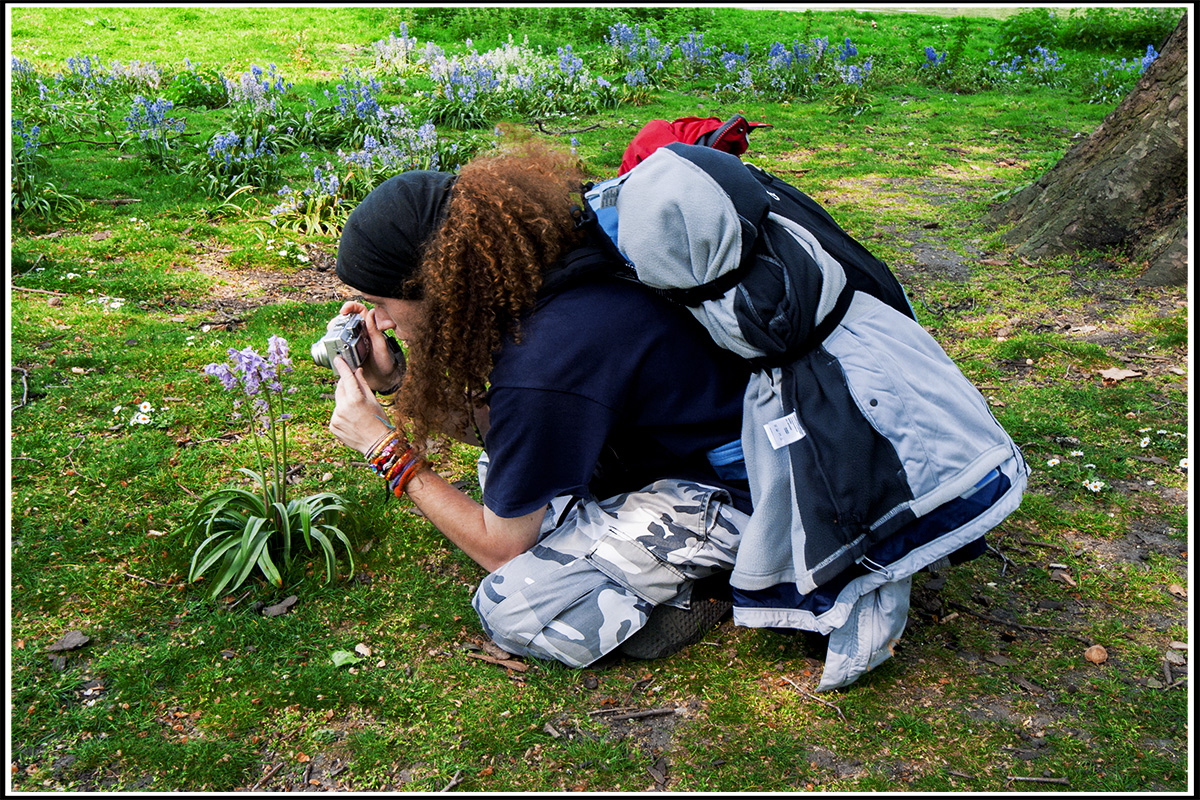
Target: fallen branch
(1061,781)
(812,696)
(115,201)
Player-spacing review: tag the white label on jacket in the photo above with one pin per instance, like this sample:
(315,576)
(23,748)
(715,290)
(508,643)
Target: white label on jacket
(784,431)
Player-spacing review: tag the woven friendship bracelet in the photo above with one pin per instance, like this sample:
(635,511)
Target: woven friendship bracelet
(394,461)
(410,465)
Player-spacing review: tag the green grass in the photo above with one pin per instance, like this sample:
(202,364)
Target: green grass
(176,693)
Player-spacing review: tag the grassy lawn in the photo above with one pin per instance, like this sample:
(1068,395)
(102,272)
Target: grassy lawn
(147,270)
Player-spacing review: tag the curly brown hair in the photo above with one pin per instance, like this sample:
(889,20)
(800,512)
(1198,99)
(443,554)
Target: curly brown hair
(509,218)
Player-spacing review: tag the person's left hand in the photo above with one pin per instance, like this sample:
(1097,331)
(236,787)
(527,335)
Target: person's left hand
(358,420)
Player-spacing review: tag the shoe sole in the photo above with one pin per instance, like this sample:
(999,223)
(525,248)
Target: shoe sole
(670,629)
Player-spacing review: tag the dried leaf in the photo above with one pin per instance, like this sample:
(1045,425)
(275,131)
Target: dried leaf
(362,650)
(1114,374)
(280,608)
(1062,577)
(495,651)
(301,757)
(1177,590)
(1096,654)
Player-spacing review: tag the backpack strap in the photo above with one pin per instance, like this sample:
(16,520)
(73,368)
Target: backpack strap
(596,257)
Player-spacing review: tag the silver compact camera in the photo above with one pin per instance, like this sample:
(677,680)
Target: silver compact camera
(346,336)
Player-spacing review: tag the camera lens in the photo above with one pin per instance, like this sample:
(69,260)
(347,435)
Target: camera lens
(319,356)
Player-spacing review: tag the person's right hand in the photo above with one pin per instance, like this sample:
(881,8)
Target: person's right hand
(382,370)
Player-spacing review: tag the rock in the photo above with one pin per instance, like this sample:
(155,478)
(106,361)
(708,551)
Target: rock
(71,640)
(1096,654)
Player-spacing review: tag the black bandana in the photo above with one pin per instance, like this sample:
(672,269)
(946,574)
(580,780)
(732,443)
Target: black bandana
(381,242)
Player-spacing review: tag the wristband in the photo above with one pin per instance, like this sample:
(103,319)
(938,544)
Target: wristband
(387,398)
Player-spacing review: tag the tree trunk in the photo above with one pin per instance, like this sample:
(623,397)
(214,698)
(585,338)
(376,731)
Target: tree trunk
(1126,184)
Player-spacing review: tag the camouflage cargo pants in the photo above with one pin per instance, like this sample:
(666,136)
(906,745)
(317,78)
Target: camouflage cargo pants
(600,567)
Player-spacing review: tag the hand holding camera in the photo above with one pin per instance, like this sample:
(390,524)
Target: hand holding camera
(354,336)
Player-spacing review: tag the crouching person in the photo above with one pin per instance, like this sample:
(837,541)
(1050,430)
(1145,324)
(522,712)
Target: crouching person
(599,406)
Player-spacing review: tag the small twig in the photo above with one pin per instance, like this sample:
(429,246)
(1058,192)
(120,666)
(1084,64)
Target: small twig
(654,712)
(812,696)
(1042,544)
(74,466)
(24,392)
(1038,628)
(307,771)
(234,604)
(1003,557)
(268,776)
(115,201)
(25,458)
(74,141)
(1047,274)
(960,774)
(154,583)
(189,491)
(455,781)
(610,710)
(565,133)
(1062,781)
(39,291)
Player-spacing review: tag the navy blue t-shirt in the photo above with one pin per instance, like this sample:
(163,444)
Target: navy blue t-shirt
(608,389)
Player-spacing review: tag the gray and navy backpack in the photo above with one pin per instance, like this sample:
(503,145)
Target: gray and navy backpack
(869,454)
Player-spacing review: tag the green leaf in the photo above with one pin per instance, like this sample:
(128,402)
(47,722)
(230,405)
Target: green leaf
(343,657)
(254,542)
(330,558)
(285,530)
(195,571)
